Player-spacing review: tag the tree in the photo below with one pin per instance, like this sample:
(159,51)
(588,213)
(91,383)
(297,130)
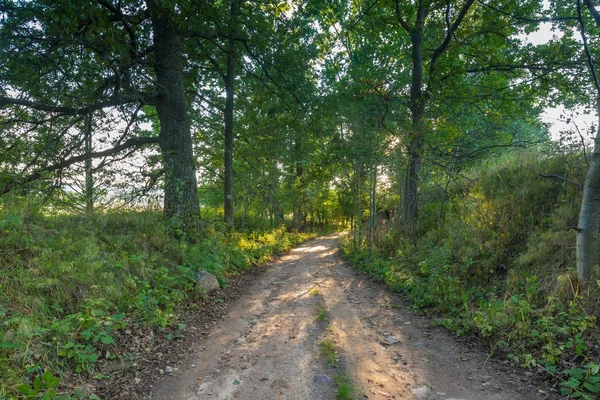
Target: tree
(84,57)
(588,227)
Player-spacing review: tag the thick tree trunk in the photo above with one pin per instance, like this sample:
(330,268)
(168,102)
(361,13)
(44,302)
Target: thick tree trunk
(181,187)
(229,93)
(588,232)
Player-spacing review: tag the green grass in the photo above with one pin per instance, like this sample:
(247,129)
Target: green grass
(68,283)
(345,389)
(322,315)
(329,351)
(500,266)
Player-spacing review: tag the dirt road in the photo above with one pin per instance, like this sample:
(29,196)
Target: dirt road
(268,345)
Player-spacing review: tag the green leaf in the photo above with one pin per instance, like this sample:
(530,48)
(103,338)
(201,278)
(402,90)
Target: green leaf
(591,387)
(236,382)
(47,376)
(53,383)
(572,383)
(93,357)
(24,389)
(10,345)
(87,334)
(107,340)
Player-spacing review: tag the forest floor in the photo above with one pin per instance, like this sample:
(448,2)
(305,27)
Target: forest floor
(309,325)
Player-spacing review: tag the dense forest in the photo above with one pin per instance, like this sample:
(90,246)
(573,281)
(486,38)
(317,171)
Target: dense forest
(143,141)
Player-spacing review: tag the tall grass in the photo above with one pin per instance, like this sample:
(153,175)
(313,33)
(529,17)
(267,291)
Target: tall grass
(501,265)
(67,283)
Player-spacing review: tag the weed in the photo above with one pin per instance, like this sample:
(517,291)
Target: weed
(393,306)
(329,351)
(313,292)
(345,387)
(68,284)
(322,315)
(499,265)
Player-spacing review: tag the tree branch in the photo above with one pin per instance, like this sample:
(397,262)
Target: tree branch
(133,142)
(117,101)
(586,46)
(401,20)
(452,29)
(562,179)
(592,8)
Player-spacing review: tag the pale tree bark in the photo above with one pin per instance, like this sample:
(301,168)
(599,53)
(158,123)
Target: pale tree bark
(181,187)
(588,227)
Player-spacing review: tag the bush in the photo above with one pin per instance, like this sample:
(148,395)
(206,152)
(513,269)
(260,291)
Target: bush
(500,266)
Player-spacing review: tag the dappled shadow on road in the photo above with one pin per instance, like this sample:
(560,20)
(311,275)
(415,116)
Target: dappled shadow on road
(269,346)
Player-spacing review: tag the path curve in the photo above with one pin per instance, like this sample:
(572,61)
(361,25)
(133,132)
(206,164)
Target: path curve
(267,347)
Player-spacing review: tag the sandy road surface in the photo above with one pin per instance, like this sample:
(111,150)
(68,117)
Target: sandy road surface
(268,345)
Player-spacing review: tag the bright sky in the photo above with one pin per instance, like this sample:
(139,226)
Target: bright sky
(571,119)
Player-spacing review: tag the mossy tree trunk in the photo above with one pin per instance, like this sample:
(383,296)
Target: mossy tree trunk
(181,187)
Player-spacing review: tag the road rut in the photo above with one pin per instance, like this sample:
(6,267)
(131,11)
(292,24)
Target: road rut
(268,345)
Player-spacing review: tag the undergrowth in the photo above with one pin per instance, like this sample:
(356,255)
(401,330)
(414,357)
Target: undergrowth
(345,389)
(68,283)
(500,265)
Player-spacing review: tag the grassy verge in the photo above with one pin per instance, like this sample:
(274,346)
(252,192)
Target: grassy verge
(498,263)
(533,330)
(67,284)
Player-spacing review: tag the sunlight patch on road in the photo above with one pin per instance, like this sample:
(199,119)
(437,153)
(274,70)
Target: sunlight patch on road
(310,249)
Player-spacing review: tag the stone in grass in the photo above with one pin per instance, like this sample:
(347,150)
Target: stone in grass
(321,379)
(206,282)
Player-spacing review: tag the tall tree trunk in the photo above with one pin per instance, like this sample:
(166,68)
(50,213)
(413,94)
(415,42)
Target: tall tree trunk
(417,108)
(298,213)
(373,211)
(588,232)
(359,210)
(244,212)
(588,227)
(229,93)
(89,178)
(181,187)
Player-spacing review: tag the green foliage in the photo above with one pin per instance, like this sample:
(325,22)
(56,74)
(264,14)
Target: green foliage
(322,315)
(345,387)
(500,266)
(69,284)
(44,387)
(329,352)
